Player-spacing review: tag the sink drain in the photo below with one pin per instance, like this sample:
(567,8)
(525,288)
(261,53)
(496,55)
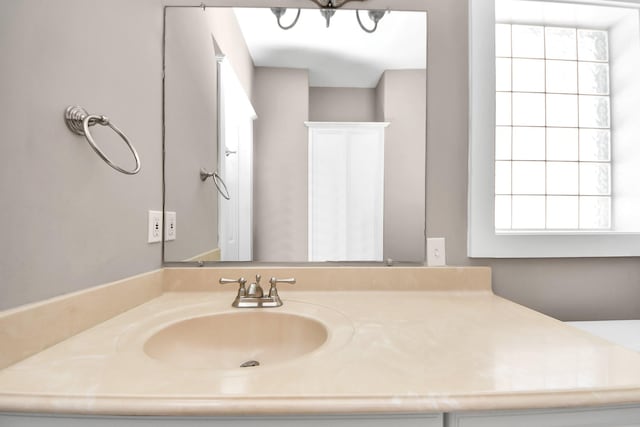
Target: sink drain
(250,363)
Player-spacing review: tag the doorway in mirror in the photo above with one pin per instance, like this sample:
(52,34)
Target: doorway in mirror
(346,191)
(235,162)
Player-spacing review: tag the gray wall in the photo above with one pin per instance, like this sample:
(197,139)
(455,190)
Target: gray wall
(42,72)
(191,120)
(190,132)
(225,28)
(281,101)
(342,104)
(402,93)
(70,220)
(571,289)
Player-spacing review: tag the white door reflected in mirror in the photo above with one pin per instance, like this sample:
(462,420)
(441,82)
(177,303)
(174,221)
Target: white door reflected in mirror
(346,191)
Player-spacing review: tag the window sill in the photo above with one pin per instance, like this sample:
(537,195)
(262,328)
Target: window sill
(550,245)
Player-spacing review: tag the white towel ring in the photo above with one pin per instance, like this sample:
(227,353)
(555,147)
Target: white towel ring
(79,121)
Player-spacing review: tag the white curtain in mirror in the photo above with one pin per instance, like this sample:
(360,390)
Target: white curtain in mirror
(346,182)
(236,166)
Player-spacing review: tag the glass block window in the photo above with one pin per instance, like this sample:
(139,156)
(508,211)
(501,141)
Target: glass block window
(552,138)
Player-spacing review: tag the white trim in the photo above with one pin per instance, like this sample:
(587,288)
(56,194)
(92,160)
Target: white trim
(235,216)
(483,241)
(349,249)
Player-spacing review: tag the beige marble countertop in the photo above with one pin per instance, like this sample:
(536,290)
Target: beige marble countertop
(390,351)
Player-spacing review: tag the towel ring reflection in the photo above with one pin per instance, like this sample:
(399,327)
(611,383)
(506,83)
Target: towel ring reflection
(79,121)
(219,182)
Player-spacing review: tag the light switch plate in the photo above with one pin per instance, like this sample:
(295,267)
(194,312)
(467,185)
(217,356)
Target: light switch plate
(436,255)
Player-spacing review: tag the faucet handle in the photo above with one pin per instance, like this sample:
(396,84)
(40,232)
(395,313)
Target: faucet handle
(224,281)
(290,281)
(273,291)
(241,280)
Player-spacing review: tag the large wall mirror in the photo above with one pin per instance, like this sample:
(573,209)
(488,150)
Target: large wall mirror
(296,145)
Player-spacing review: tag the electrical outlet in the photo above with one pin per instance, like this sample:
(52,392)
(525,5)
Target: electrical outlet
(436,255)
(170,224)
(155,226)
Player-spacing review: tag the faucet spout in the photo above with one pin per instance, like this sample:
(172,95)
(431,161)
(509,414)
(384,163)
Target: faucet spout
(255,290)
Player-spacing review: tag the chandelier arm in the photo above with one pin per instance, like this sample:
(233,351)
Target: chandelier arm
(375,24)
(295,21)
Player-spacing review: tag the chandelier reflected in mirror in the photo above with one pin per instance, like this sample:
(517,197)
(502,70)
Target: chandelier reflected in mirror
(327,10)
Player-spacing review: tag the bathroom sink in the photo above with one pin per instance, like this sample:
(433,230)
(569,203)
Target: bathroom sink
(234,340)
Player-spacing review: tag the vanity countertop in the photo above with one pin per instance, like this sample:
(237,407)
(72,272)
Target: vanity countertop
(398,351)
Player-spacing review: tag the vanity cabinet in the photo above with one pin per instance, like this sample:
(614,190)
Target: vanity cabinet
(620,416)
(617,416)
(399,420)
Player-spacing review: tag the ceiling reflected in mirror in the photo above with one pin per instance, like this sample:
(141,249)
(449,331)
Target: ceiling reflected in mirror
(341,55)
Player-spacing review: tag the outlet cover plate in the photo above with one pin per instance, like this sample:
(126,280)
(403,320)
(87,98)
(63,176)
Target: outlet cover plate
(170,224)
(155,227)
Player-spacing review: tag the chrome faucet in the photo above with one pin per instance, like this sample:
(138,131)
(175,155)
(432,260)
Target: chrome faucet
(254,296)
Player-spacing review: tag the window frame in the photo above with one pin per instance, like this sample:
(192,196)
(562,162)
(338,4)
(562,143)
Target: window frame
(507,192)
(483,240)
